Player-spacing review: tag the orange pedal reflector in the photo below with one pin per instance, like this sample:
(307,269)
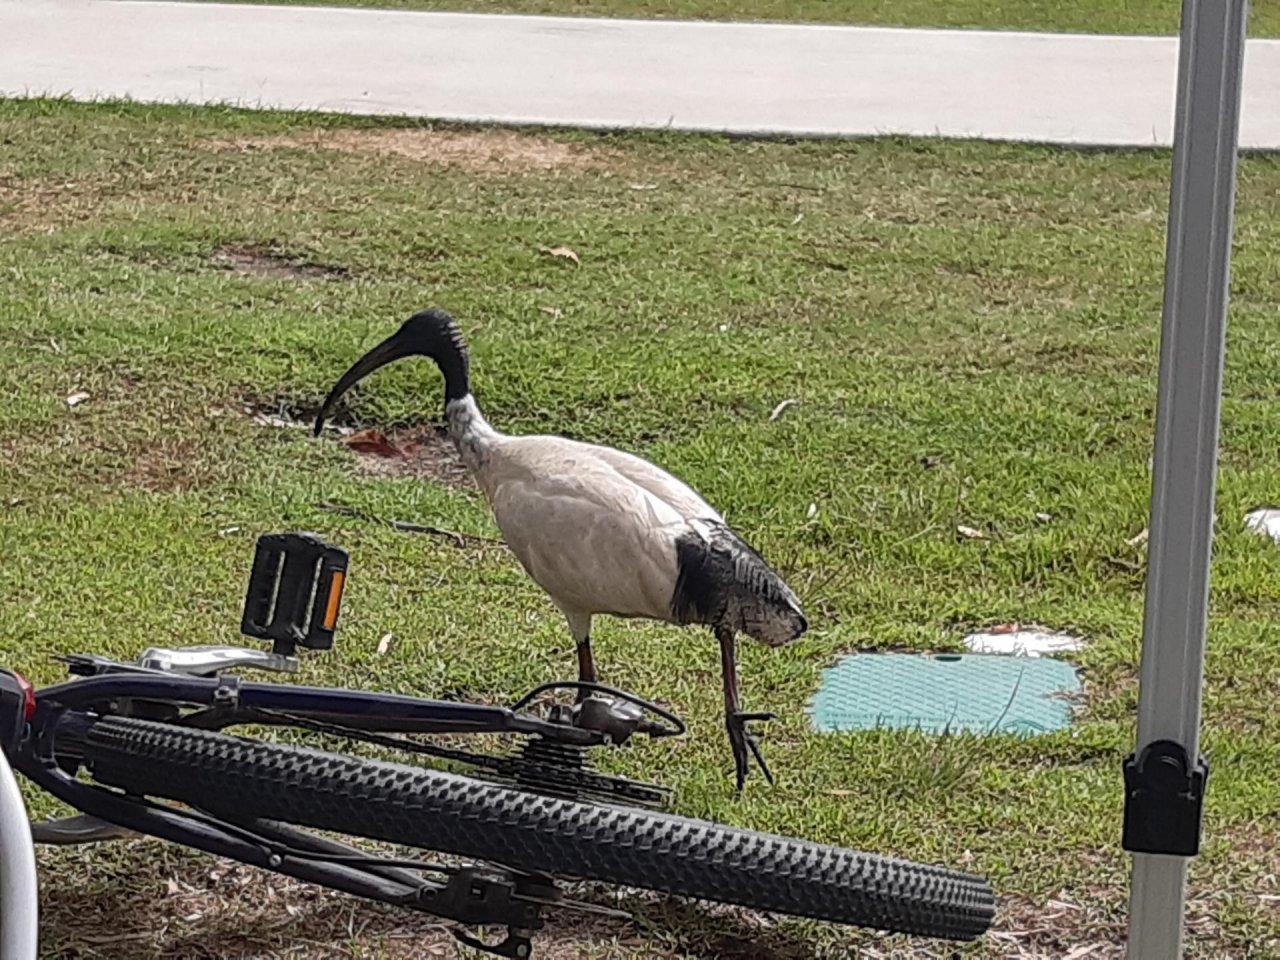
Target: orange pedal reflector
(335,599)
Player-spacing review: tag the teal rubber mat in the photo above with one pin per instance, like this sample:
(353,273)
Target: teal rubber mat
(976,693)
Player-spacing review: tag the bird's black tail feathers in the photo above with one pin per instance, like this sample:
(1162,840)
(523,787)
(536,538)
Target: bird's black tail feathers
(722,579)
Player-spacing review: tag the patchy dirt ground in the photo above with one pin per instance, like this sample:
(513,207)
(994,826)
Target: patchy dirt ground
(169,465)
(483,152)
(192,907)
(198,907)
(259,260)
(425,452)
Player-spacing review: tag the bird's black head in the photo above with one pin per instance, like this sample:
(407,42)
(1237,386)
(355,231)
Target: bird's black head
(428,333)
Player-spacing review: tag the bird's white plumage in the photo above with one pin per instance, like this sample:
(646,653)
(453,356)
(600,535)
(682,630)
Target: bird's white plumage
(593,526)
(677,494)
(590,537)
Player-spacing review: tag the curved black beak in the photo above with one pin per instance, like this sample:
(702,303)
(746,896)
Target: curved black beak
(393,348)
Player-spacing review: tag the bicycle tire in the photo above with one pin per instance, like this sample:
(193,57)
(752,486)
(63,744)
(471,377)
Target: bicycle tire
(242,779)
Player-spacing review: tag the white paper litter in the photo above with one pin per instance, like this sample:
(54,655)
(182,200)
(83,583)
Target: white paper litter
(1264,520)
(1023,643)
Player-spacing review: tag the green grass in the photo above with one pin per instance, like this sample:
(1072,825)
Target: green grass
(1083,16)
(970,332)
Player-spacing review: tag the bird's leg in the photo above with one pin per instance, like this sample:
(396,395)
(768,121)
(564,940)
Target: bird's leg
(580,627)
(586,663)
(735,720)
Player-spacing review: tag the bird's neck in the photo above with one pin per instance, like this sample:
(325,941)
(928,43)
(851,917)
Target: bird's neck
(470,431)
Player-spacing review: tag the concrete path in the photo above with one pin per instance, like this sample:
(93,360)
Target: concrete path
(743,78)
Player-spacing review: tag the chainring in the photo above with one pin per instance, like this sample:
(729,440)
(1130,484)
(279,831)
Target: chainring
(565,770)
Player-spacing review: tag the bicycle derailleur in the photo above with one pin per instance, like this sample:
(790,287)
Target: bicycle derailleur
(560,765)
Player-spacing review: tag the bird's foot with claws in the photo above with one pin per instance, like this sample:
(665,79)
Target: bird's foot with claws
(741,739)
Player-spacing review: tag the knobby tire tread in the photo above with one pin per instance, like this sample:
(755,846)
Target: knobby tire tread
(243,779)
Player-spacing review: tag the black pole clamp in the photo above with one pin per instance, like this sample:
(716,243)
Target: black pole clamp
(1163,800)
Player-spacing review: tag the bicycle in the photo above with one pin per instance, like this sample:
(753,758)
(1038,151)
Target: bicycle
(141,748)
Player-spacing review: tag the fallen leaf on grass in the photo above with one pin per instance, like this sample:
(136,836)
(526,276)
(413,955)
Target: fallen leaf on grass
(384,644)
(553,311)
(1139,539)
(372,441)
(77,398)
(777,411)
(1004,628)
(564,252)
(971,533)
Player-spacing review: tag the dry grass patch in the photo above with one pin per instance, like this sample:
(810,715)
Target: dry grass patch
(183,905)
(35,203)
(487,152)
(186,905)
(189,906)
(113,432)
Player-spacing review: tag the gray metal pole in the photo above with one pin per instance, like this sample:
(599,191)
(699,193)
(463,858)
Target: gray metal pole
(1197,270)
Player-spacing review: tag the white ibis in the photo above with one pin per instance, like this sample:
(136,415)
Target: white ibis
(603,531)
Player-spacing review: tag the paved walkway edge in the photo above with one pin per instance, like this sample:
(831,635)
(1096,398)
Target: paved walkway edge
(771,79)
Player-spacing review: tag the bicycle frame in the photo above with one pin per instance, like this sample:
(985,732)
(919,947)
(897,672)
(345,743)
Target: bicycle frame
(235,697)
(41,740)
(65,711)
(292,600)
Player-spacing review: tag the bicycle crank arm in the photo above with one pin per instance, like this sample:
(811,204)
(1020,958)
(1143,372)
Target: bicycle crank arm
(203,661)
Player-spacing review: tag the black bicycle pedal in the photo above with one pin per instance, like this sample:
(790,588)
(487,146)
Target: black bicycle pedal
(295,592)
